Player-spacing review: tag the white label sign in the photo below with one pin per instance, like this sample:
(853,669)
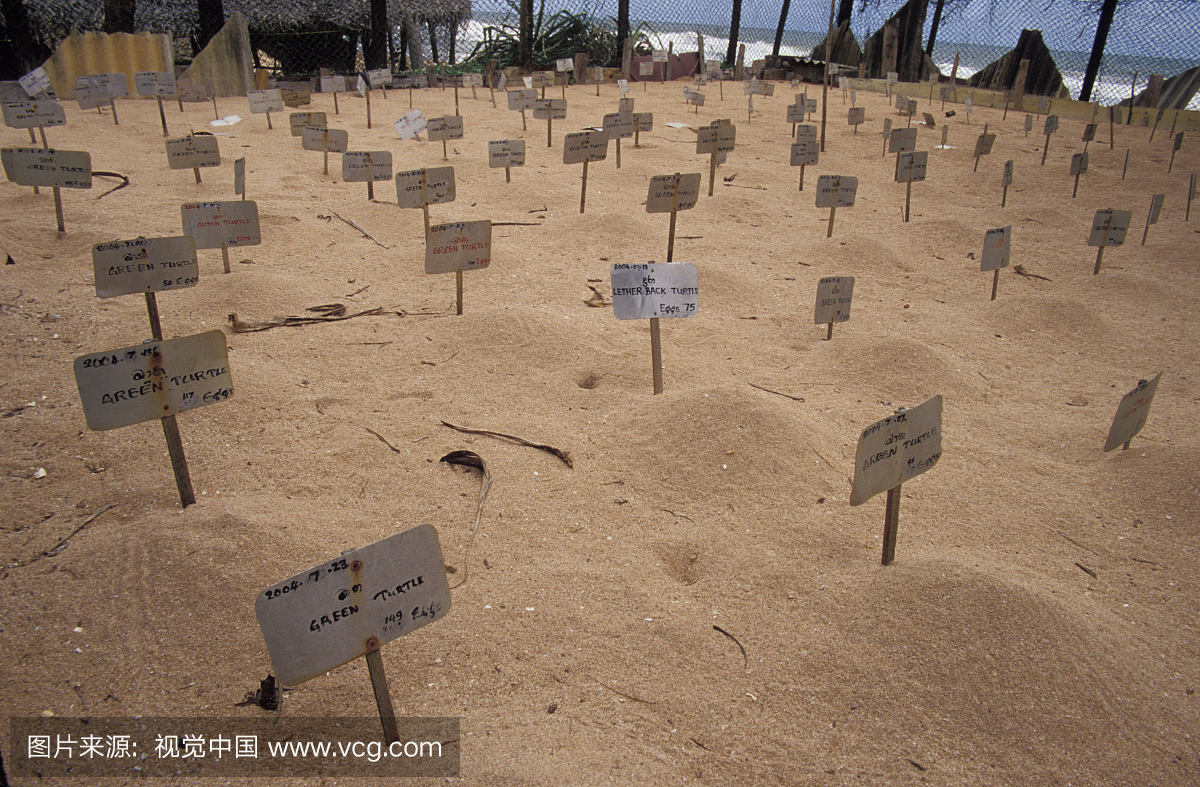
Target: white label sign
(913,166)
(36,81)
(332,84)
(506,153)
(1109,227)
(379,77)
(359,166)
(89,92)
(564,64)
(124,267)
(298,120)
(652,290)
(154,83)
(216,224)
(193,151)
(1007,178)
(678,192)
(115,85)
(643,121)
(543,79)
(1028,123)
(420,187)
(31,114)
(550,109)
(70,169)
(153,380)
(333,140)
(721,138)
(983,145)
(411,124)
(522,99)
(239,175)
(1132,413)
(834,294)
(1051,125)
(902,139)
(805,153)
(265,101)
(856,115)
(1079,163)
(460,246)
(625,104)
(585,146)
(1156,203)
(997,249)
(836,191)
(443,128)
(897,449)
(353,604)
(619,125)
(795,113)
(806,133)
(646,68)
(191,92)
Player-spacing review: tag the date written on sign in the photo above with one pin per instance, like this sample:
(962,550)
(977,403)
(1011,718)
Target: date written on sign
(348,606)
(651,290)
(153,380)
(124,267)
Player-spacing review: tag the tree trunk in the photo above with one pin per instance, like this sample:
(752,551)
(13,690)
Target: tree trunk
(118,16)
(845,9)
(25,53)
(933,26)
(375,51)
(735,23)
(1107,12)
(783,15)
(210,17)
(433,42)
(622,29)
(453,42)
(404,66)
(525,50)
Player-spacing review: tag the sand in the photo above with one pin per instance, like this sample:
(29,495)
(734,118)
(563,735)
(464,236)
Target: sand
(1038,626)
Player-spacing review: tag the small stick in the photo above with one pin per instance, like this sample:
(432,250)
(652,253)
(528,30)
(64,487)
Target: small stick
(907,199)
(112,103)
(216,112)
(1126,168)
(656,355)
(1045,149)
(712,167)
(162,116)
(458,291)
(1075,190)
(891,523)
(619,153)
(370,190)
(33,141)
(829,332)
(995,282)
(832,212)
(1187,216)
(383,699)
(58,210)
(1132,95)
(225,258)
(368,97)
(583,191)
(272,127)
(183,479)
(671,230)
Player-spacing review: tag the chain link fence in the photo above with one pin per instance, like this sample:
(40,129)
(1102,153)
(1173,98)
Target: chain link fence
(297,38)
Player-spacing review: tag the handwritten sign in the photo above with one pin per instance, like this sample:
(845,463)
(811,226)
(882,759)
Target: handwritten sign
(265,101)
(695,98)
(443,128)
(1089,132)
(796,113)
(36,81)
(654,290)
(298,120)
(836,191)
(902,140)
(31,114)
(625,104)
(1109,227)
(70,169)
(213,225)
(379,77)
(806,133)
(673,192)
(834,294)
(1028,124)
(459,246)
(856,116)
(124,267)
(928,120)
(805,153)
(897,449)
(360,166)
(997,249)
(1079,163)
(153,380)
(193,151)
(294,98)
(1051,125)
(333,140)
(154,83)
(506,153)
(115,84)
(522,99)
(643,121)
(719,138)
(912,166)
(564,64)
(191,92)
(411,124)
(585,146)
(333,84)
(339,610)
(1132,413)
(646,68)
(543,79)
(1156,203)
(983,144)
(619,125)
(89,92)
(550,109)
(1006,179)
(1043,104)
(420,187)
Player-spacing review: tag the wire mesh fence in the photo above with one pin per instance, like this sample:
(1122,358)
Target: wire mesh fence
(297,38)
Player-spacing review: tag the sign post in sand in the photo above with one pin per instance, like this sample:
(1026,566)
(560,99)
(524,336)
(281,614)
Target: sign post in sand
(642,121)
(59,169)
(263,101)
(420,188)
(1156,203)
(833,192)
(326,140)
(155,380)
(834,295)
(367,166)
(583,147)
(1079,165)
(983,147)
(618,126)
(193,152)
(671,194)
(219,225)
(443,129)
(506,153)
(523,99)
(334,85)
(1050,127)
(1006,180)
(997,251)
(1108,229)
(30,114)
(1131,414)
(805,150)
(457,247)
(911,167)
(352,606)
(719,137)
(150,265)
(855,116)
(1175,149)
(550,109)
(892,451)
(653,291)
(1191,195)
(157,84)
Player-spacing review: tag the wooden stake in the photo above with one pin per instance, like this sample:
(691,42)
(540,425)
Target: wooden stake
(458,291)
(802,177)
(33,141)
(891,523)
(829,332)
(368,97)
(671,230)
(1191,190)
(196,171)
(112,103)
(995,282)
(216,112)
(445,154)
(425,210)
(58,211)
(225,258)
(1126,168)
(1099,257)
(1045,149)
(456,100)
(907,199)
(712,167)
(272,127)
(1075,190)
(832,213)
(162,116)
(508,174)
(583,191)
(383,699)
(618,152)
(1157,118)
(523,126)
(370,190)
(335,102)
(1112,137)
(183,479)
(656,355)
(549,128)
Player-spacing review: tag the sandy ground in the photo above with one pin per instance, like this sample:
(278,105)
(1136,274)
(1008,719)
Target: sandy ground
(1038,627)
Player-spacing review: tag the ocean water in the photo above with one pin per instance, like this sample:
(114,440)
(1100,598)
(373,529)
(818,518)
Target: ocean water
(1112,85)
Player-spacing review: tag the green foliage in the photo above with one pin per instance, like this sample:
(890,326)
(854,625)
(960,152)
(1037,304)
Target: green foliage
(560,36)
